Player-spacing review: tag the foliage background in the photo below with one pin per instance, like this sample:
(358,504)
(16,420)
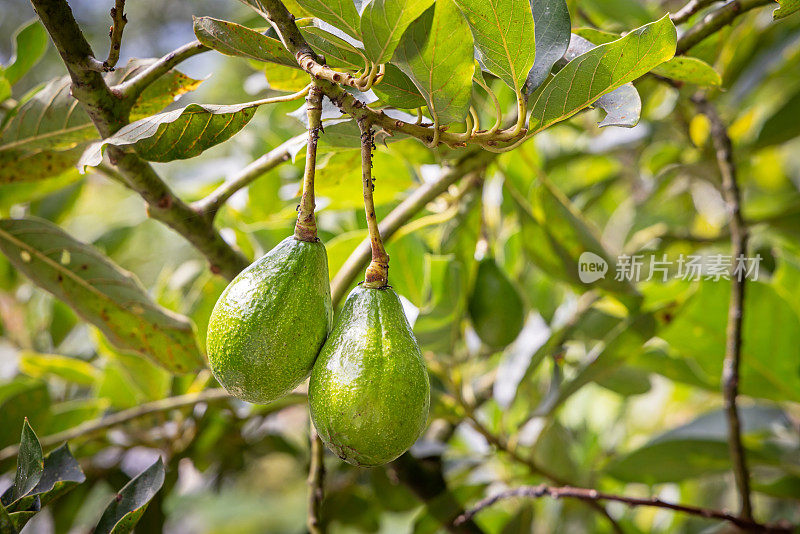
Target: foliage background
(608,405)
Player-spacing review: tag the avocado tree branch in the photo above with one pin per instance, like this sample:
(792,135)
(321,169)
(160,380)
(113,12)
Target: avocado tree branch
(592,495)
(691,7)
(733,344)
(715,21)
(115,34)
(306,227)
(316,483)
(109,112)
(210,205)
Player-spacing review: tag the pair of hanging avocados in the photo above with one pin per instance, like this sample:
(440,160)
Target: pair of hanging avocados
(369,391)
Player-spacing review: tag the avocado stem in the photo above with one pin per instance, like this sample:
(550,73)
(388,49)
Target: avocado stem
(306,227)
(377,275)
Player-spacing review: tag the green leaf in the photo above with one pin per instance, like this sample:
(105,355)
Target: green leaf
(340,13)
(601,70)
(771,338)
(552,31)
(17,166)
(52,119)
(70,369)
(700,447)
(179,134)
(383,23)
(439,319)
(436,53)
(397,89)
(504,37)
(407,278)
(22,399)
(338,53)
(5,88)
(6,523)
(100,292)
(121,516)
(690,70)
(782,125)
(30,465)
(234,39)
(787,7)
(30,44)
(556,235)
(340,179)
(60,474)
(623,107)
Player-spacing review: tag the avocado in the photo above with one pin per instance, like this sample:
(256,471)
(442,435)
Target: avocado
(495,306)
(269,324)
(369,392)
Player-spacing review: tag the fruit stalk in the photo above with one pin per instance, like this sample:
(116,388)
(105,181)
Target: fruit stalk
(306,227)
(377,275)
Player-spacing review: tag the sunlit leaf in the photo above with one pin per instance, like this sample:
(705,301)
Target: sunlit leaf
(340,13)
(100,292)
(53,120)
(383,23)
(18,167)
(397,89)
(601,70)
(436,53)
(70,369)
(30,44)
(690,70)
(787,7)
(504,37)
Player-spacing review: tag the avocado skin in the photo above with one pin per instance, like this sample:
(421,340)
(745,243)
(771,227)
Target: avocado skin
(495,306)
(269,324)
(369,392)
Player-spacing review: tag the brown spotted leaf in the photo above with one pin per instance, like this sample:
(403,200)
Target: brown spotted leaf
(102,293)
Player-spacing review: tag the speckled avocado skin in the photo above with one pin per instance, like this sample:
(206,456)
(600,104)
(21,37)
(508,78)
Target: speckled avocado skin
(369,392)
(495,307)
(271,321)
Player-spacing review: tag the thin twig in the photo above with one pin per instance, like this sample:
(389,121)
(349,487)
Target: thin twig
(90,427)
(377,275)
(115,34)
(210,205)
(316,483)
(733,345)
(132,88)
(591,495)
(692,7)
(306,227)
(715,21)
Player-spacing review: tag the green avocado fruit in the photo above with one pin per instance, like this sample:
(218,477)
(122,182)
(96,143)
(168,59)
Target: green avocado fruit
(495,306)
(269,324)
(369,392)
